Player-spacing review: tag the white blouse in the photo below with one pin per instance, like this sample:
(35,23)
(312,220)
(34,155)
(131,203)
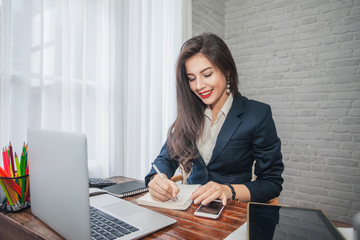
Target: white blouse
(207,141)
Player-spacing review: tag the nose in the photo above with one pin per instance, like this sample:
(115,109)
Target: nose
(200,84)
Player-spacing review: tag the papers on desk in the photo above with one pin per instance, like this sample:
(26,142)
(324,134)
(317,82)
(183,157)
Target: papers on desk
(182,202)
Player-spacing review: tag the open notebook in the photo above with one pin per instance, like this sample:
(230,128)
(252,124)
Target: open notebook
(182,203)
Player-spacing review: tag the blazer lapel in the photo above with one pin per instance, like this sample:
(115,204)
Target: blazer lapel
(232,122)
(200,159)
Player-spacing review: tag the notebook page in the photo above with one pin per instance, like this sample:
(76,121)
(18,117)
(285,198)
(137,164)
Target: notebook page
(182,202)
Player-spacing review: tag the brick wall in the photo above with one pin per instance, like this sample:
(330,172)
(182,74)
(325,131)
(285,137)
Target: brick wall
(208,16)
(302,58)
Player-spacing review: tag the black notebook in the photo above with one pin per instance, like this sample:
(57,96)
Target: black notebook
(126,189)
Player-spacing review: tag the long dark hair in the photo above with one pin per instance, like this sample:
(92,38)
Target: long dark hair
(188,126)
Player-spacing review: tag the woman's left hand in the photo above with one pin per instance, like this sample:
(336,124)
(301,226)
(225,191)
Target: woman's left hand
(211,191)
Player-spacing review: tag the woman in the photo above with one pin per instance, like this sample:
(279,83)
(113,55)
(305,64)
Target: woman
(218,133)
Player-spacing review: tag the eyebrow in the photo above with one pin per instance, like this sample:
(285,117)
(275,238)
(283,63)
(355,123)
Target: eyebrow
(200,71)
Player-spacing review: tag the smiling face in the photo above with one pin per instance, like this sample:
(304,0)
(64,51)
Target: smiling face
(206,81)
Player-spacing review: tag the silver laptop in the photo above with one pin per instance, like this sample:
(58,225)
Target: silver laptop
(59,191)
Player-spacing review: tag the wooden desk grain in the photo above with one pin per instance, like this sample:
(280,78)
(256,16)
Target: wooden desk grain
(190,227)
(24,225)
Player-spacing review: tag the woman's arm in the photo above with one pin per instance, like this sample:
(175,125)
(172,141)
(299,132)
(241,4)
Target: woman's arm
(266,152)
(164,164)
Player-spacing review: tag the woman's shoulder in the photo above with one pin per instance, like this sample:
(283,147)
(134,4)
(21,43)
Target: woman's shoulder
(252,111)
(250,104)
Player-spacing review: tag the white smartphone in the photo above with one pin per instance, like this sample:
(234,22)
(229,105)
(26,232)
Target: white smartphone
(211,210)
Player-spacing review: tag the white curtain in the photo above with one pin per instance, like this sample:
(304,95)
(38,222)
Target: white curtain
(105,68)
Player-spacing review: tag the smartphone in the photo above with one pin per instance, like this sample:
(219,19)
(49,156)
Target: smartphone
(211,210)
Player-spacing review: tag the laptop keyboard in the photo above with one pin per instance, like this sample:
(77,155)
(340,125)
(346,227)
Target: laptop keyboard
(105,226)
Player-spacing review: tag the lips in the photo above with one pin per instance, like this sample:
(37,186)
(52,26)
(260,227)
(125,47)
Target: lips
(205,94)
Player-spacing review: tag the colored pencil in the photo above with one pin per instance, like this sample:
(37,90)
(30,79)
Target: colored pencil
(6,192)
(10,181)
(9,186)
(6,161)
(22,170)
(10,192)
(13,182)
(3,173)
(12,159)
(12,174)
(23,190)
(22,162)
(17,165)
(24,148)
(27,189)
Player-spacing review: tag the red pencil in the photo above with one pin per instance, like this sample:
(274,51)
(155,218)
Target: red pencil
(6,162)
(3,173)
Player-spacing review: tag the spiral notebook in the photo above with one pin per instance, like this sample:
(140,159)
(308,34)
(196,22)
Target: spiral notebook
(182,202)
(125,189)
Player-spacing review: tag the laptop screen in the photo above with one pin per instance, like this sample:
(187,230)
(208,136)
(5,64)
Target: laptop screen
(60,190)
(283,222)
(59,181)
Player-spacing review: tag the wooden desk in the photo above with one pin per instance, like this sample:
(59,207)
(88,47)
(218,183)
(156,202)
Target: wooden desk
(24,225)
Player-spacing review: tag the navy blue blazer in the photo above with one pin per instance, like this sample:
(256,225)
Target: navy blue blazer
(247,135)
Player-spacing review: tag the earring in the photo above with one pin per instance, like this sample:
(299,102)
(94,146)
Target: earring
(228,85)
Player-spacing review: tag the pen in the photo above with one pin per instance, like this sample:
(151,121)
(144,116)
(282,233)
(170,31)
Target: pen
(158,171)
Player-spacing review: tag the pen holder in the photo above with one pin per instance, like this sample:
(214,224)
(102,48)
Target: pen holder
(14,193)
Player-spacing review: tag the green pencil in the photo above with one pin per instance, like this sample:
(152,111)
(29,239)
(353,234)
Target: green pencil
(17,165)
(22,170)
(23,180)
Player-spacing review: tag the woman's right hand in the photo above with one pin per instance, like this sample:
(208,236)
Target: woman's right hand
(162,189)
